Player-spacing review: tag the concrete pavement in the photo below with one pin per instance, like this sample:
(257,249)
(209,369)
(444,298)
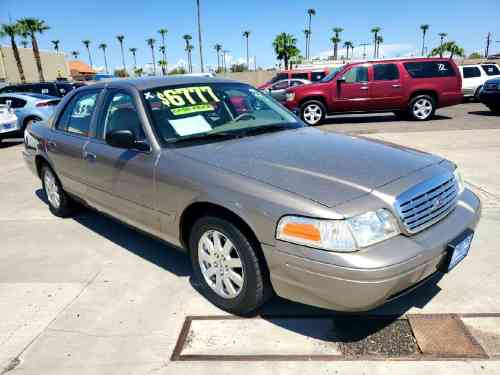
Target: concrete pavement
(87,295)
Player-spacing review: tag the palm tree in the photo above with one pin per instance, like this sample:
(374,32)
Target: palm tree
(86,43)
(56,44)
(163,47)
(246,34)
(133,50)
(336,40)
(33,26)
(348,45)
(120,39)
(424,29)
(307,34)
(441,40)
(11,30)
(199,37)
(103,46)
(310,12)
(380,40)
(285,47)
(75,54)
(375,30)
(151,44)
(163,65)
(450,47)
(218,49)
(138,72)
(187,38)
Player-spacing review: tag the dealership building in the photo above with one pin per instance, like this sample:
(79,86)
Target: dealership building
(54,65)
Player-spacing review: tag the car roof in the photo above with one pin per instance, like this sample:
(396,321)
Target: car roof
(152,82)
(29,95)
(400,60)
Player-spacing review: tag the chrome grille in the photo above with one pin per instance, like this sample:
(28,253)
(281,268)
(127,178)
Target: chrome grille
(427,203)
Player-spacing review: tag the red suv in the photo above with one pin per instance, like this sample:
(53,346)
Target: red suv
(411,88)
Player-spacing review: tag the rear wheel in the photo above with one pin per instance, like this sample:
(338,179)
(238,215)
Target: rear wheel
(60,203)
(313,112)
(226,264)
(494,109)
(422,108)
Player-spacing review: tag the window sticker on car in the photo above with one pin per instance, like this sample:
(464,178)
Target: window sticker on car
(442,68)
(187,96)
(190,125)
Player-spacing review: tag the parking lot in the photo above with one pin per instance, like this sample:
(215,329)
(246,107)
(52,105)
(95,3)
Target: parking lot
(87,295)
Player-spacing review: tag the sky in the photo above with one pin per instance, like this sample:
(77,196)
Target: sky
(223,21)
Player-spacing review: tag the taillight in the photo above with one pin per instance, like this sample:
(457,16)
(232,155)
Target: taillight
(47,103)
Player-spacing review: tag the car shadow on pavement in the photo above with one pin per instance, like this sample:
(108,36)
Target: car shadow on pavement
(4,143)
(359,325)
(484,113)
(353,119)
(155,251)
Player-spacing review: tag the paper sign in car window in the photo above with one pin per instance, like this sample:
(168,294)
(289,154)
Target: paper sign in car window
(190,125)
(187,100)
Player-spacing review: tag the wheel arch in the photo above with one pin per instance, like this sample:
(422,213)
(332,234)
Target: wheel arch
(319,98)
(432,93)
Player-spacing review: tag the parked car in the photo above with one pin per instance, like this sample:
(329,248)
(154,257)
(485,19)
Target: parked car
(490,95)
(411,88)
(313,75)
(278,89)
(8,122)
(474,77)
(260,201)
(56,88)
(29,108)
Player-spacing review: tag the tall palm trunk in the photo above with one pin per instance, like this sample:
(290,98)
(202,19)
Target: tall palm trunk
(36,52)
(218,61)
(335,51)
(375,52)
(154,61)
(105,61)
(90,57)
(423,43)
(135,61)
(199,36)
(17,58)
(308,43)
(123,56)
(248,59)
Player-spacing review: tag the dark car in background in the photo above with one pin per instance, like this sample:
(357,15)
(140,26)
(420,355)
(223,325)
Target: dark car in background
(56,88)
(490,95)
(411,88)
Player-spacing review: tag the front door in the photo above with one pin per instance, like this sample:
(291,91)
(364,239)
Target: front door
(120,181)
(66,140)
(353,90)
(386,90)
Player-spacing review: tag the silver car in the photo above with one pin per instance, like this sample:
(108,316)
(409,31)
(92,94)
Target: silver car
(278,90)
(28,108)
(261,203)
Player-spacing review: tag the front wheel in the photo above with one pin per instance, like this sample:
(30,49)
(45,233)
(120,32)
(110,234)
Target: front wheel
(226,265)
(494,109)
(313,112)
(422,108)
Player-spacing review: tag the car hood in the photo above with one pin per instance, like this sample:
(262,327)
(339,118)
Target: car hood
(325,167)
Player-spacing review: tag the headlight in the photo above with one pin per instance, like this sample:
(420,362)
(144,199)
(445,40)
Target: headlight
(460,181)
(290,96)
(339,235)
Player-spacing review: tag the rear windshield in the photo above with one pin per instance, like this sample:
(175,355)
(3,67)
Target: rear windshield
(490,69)
(429,69)
(197,111)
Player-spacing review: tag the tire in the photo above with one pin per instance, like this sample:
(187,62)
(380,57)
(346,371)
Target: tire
(494,109)
(313,112)
(60,204)
(241,295)
(422,108)
(401,115)
(476,94)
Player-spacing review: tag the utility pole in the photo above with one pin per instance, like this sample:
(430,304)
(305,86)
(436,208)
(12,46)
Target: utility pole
(224,59)
(364,49)
(488,42)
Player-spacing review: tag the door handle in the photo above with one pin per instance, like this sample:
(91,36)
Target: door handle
(364,88)
(89,156)
(396,86)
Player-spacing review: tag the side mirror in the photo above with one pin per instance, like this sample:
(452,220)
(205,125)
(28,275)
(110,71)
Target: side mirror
(125,139)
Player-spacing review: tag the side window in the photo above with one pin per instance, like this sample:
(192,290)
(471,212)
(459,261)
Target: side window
(78,114)
(357,74)
(13,102)
(120,113)
(491,70)
(385,72)
(300,75)
(282,85)
(429,69)
(296,83)
(471,72)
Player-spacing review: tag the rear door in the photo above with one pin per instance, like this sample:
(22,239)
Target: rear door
(353,91)
(120,181)
(386,89)
(66,141)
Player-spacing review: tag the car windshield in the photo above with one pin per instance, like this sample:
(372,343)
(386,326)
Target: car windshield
(214,111)
(331,75)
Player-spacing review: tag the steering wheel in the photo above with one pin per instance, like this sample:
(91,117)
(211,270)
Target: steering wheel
(244,116)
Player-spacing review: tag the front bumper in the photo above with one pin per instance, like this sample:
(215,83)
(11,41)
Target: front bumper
(363,288)
(9,129)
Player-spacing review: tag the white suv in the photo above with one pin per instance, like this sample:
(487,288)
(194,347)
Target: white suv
(474,76)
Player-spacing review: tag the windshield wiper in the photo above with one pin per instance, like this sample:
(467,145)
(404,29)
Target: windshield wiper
(206,137)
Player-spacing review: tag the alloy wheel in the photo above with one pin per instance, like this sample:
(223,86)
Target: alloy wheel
(312,114)
(51,189)
(422,108)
